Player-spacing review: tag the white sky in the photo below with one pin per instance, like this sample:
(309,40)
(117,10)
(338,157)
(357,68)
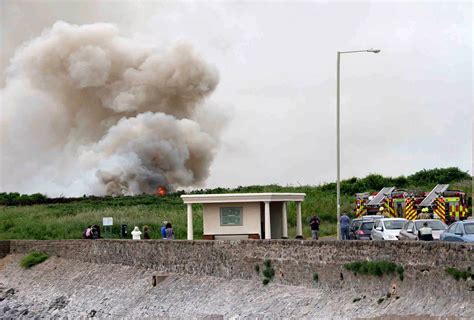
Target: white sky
(405,109)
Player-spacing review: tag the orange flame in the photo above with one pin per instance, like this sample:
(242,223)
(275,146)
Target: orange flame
(161,191)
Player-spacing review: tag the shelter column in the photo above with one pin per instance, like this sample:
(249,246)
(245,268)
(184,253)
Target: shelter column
(284,221)
(190,221)
(268,231)
(299,228)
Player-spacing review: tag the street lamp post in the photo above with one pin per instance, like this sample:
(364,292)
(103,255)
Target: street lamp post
(338,181)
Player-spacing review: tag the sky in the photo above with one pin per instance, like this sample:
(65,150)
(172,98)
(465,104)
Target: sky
(407,108)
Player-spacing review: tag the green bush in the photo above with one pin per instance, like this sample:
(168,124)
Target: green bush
(33,259)
(315,277)
(459,274)
(267,263)
(268,273)
(374,268)
(257,268)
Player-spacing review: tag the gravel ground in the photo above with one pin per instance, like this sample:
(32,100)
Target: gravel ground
(63,289)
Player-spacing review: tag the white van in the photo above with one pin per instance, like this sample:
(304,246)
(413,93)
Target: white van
(387,229)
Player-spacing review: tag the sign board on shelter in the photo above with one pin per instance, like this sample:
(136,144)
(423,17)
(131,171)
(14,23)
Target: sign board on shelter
(108,221)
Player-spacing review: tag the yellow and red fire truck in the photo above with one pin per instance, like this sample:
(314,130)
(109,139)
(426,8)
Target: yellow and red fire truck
(392,200)
(448,205)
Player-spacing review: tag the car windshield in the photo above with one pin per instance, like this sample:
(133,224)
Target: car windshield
(355,224)
(469,228)
(434,225)
(367,226)
(394,224)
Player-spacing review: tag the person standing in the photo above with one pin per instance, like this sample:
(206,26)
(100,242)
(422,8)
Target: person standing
(163,229)
(136,233)
(87,233)
(425,214)
(345,221)
(382,211)
(146,233)
(314,223)
(169,232)
(95,229)
(425,233)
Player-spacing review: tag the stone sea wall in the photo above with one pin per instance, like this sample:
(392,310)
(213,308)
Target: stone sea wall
(295,262)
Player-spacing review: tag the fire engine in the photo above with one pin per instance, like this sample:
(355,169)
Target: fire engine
(448,205)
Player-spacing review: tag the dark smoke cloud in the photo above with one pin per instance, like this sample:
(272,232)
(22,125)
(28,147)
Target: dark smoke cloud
(85,110)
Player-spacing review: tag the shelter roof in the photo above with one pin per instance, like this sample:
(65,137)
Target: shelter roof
(242,197)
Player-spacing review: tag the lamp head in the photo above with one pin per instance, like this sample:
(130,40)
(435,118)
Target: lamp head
(373,50)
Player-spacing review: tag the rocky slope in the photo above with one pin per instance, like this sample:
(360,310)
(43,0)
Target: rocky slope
(60,288)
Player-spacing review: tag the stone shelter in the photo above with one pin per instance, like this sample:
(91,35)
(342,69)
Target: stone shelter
(244,215)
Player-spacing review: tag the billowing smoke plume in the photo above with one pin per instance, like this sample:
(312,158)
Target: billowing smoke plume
(87,111)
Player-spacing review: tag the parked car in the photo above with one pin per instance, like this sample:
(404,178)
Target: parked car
(387,228)
(364,230)
(372,217)
(410,229)
(461,231)
(354,225)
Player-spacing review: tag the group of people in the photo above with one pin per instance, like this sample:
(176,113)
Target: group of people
(166,232)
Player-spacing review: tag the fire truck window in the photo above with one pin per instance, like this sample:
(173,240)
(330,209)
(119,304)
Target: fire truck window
(400,210)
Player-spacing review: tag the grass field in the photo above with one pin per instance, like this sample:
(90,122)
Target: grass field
(68,220)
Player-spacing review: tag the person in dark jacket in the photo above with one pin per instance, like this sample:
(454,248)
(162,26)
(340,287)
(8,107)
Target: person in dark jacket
(169,232)
(314,223)
(146,233)
(95,232)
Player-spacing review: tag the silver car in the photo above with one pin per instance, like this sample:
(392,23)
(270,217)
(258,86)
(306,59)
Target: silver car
(387,229)
(410,229)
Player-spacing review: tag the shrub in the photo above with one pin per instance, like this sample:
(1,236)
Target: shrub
(375,268)
(315,277)
(400,271)
(32,259)
(379,301)
(257,268)
(269,273)
(356,300)
(267,264)
(459,274)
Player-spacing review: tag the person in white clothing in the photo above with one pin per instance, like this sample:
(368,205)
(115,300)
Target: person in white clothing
(425,233)
(136,233)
